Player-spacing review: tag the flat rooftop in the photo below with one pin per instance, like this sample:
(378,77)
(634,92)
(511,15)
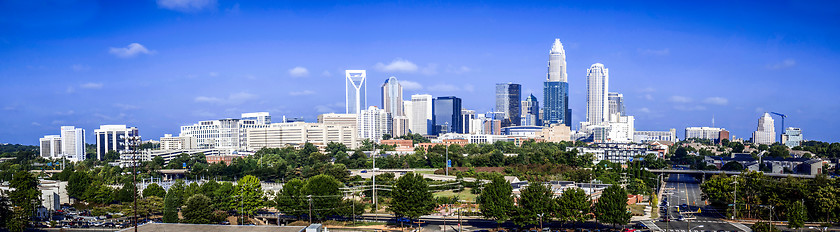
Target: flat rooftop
(177,227)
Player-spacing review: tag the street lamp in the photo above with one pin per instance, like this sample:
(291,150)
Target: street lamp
(541,216)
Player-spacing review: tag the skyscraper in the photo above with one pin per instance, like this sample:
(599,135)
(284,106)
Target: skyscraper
(392,97)
(73,143)
(50,146)
(421,114)
(530,112)
(373,123)
(597,86)
(556,88)
(447,115)
(766,131)
(114,138)
(616,101)
(508,97)
(355,87)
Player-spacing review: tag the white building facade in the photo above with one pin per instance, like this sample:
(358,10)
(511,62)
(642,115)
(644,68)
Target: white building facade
(50,146)
(280,135)
(651,136)
(73,143)
(766,132)
(114,138)
(421,113)
(167,142)
(597,86)
(373,123)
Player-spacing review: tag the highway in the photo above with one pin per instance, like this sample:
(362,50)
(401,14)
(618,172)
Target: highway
(684,197)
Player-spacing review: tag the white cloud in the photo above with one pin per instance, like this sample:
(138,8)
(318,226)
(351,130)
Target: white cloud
(91,85)
(298,72)
(716,101)
(443,88)
(36,124)
(187,5)
(57,122)
(79,67)
(397,65)
(644,110)
(649,97)
(234,98)
(130,51)
(680,99)
(326,73)
(213,74)
(302,93)
(787,63)
(689,108)
(458,70)
(647,90)
(69,112)
(759,110)
(430,69)
(649,52)
(469,88)
(324,109)
(411,85)
(204,114)
(126,106)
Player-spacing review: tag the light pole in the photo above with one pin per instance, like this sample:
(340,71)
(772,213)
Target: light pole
(734,198)
(541,215)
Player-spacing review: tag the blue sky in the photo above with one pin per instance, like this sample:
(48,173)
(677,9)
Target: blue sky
(162,64)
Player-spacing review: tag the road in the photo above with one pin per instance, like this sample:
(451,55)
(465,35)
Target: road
(685,190)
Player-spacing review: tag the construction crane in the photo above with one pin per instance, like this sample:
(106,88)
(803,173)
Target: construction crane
(783,124)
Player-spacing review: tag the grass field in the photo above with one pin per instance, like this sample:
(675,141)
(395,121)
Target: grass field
(463,195)
(637,209)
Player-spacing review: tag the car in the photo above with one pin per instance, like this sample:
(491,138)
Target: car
(665,219)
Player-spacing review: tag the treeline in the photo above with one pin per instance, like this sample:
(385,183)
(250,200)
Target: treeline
(791,199)
(822,149)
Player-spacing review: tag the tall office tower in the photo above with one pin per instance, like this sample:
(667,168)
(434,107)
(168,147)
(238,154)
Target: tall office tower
(400,126)
(260,118)
(792,137)
(372,123)
(597,107)
(447,115)
(392,97)
(556,88)
(467,116)
(616,102)
(73,143)
(50,146)
(766,131)
(355,87)
(530,112)
(421,114)
(113,138)
(508,98)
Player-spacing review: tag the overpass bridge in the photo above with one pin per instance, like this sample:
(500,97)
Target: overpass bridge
(716,172)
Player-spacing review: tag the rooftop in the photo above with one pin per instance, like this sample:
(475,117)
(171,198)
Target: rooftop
(212,228)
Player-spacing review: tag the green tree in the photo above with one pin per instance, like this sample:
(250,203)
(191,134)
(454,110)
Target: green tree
(224,197)
(325,193)
(535,200)
(411,197)
(763,227)
(291,199)
(611,208)
(637,186)
(172,202)
(111,156)
(197,210)
(732,166)
(26,194)
(5,210)
(495,200)
(797,214)
(573,205)
(250,194)
(154,190)
(77,184)
(126,193)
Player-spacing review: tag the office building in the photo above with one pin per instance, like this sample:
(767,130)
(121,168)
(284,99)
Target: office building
(616,102)
(260,118)
(710,133)
(392,97)
(621,129)
(597,106)
(114,138)
(652,136)
(447,115)
(508,99)
(337,119)
(400,126)
(556,88)
(297,134)
(792,137)
(530,112)
(372,123)
(356,91)
(555,133)
(73,143)
(50,146)
(765,133)
(467,117)
(421,114)
(167,142)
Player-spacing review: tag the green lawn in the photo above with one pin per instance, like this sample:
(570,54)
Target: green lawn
(463,195)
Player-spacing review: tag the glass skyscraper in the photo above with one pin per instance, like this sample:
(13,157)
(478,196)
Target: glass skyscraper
(556,88)
(508,98)
(447,115)
(355,88)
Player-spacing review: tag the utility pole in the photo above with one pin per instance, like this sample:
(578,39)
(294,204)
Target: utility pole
(310,209)
(133,144)
(734,198)
(447,159)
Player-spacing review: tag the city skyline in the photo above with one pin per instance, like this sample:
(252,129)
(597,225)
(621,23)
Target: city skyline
(160,67)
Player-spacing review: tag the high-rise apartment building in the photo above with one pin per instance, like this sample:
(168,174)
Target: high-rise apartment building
(556,88)
(508,100)
(50,146)
(447,115)
(792,137)
(167,142)
(337,119)
(710,133)
(224,134)
(114,138)
(356,90)
(530,112)
(597,107)
(261,118)
(651,136)
(467,117)
(73,143)
(616,102)
(421,114)
(392,97)
(373,122)
(766,131)
(279,135)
